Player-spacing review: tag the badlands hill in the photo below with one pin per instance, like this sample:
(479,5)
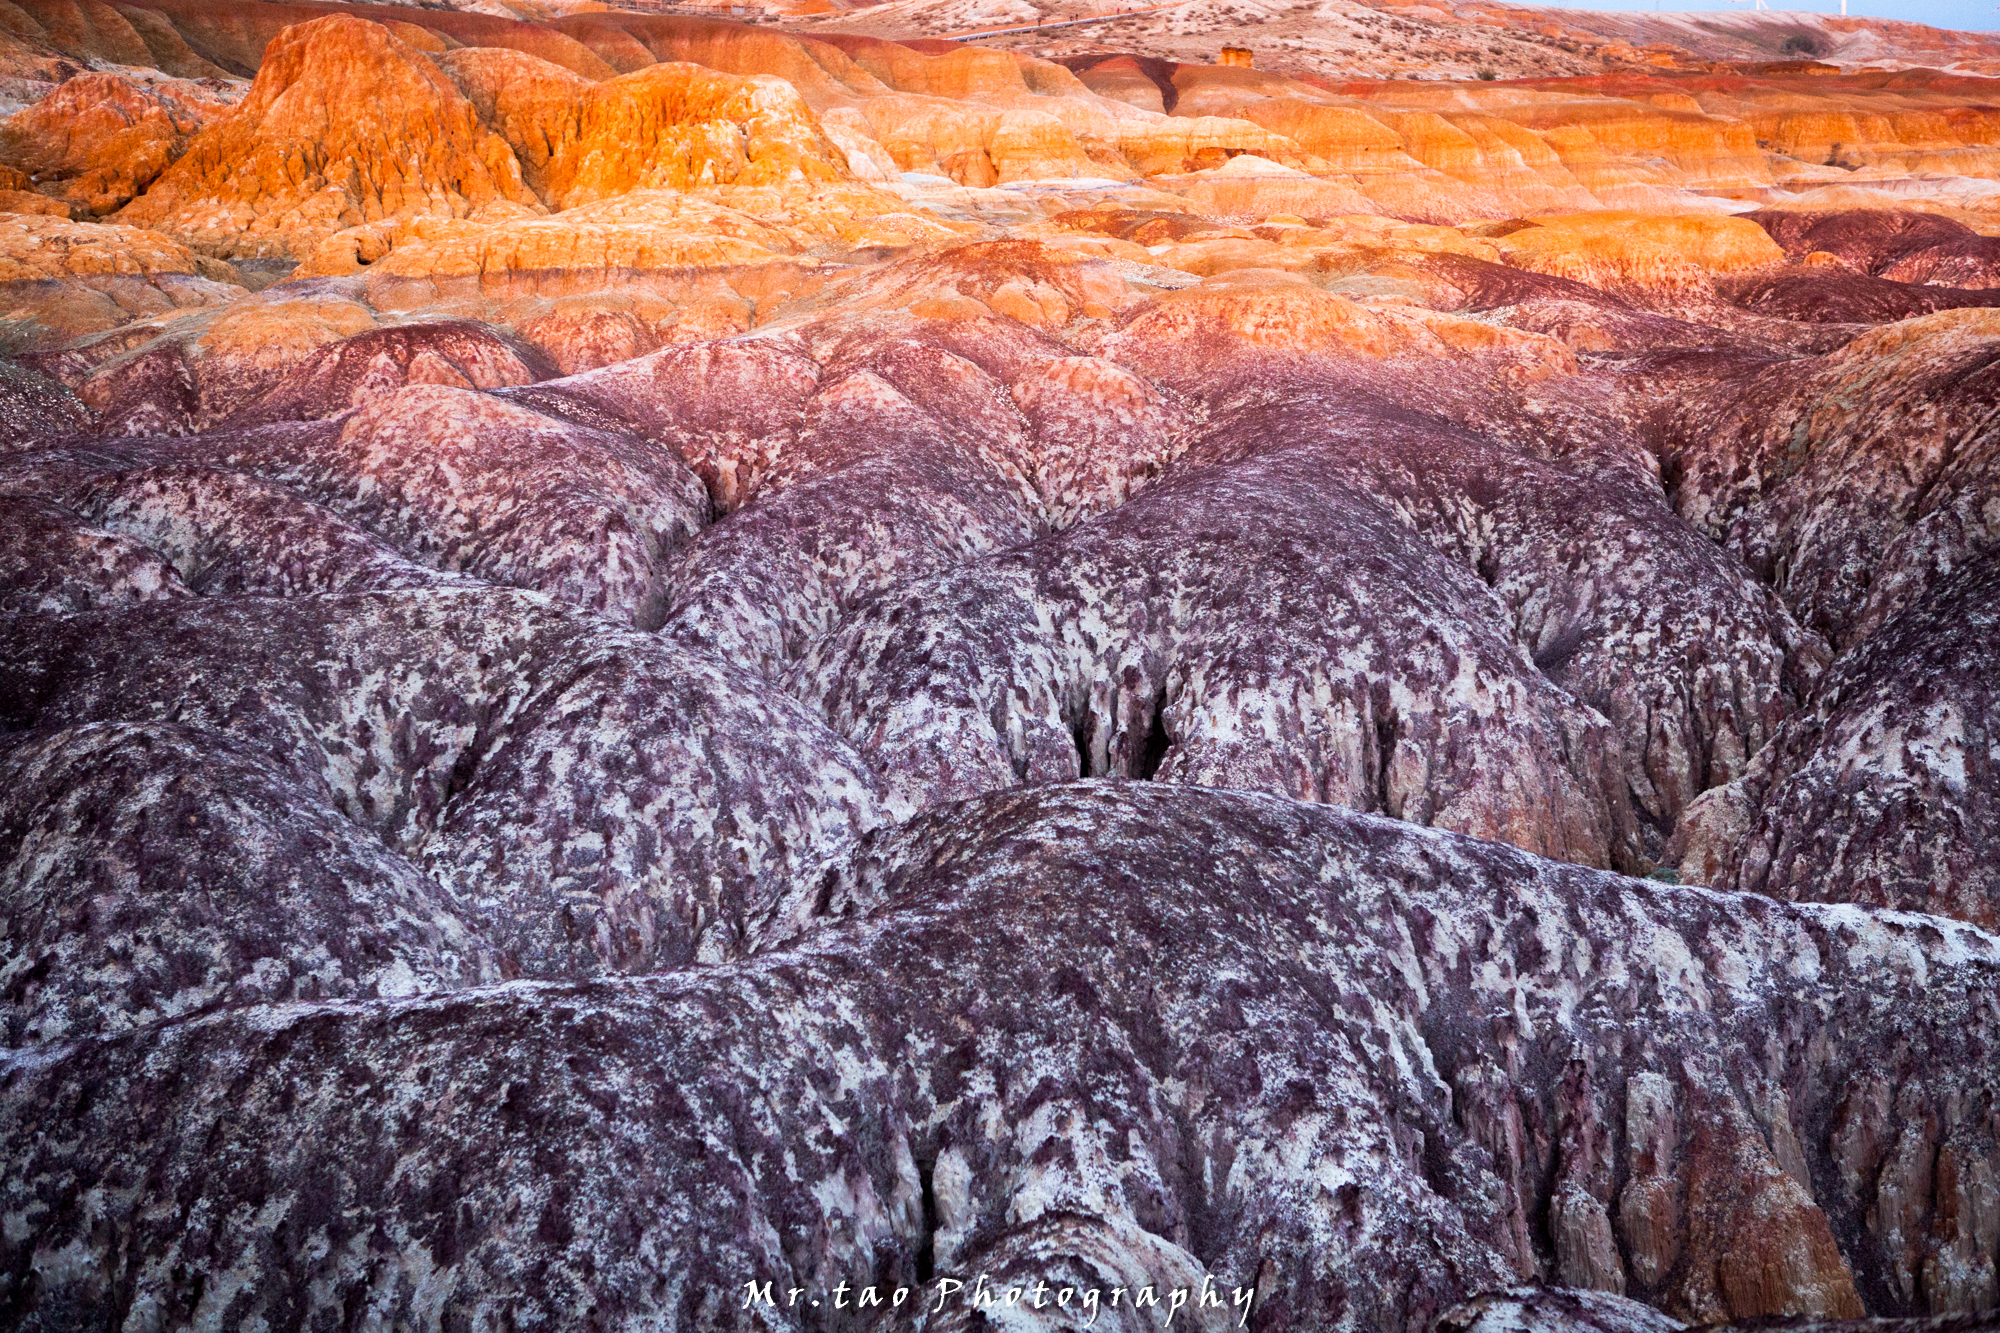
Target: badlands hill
(644,655)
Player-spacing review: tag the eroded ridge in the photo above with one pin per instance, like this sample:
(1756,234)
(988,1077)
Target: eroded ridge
(641,656)
(1210,1033)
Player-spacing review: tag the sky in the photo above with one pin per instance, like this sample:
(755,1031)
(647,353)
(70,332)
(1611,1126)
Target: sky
(1979,15)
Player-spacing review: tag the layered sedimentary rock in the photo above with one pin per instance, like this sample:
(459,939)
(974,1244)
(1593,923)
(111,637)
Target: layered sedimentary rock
(641,656)
(66,279)
(307,152)
(521,113)
(672,125)
(1833,293)
(288,361)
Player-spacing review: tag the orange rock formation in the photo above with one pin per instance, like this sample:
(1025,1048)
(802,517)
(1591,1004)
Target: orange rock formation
(345,124)
(100,139)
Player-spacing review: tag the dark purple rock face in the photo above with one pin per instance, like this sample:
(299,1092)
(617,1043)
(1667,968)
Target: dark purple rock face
(1833,295)
(1884,791)
(1209,1034)
(594,798)
(1534,1309)
(158,870)
(450,353)
(1433,799)
(176,384)
(1849,481)
(418,486)
(50,561)
(35,406)
(1902,247)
